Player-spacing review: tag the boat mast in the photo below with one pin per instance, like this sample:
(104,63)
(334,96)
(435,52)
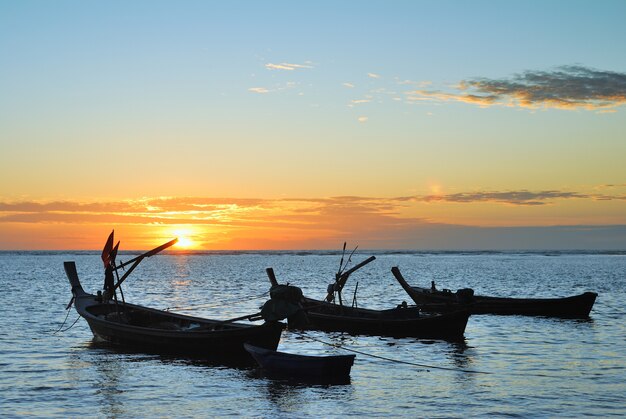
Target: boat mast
(109,253)
(138,259)
(340,282)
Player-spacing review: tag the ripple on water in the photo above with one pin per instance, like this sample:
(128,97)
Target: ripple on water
(536,366)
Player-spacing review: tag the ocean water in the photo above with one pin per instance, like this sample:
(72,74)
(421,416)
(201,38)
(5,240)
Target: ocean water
(508,366)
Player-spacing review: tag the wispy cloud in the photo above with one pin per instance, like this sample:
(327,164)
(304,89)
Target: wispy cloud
(509,197)
(421,84)
(569,87)
(260,90)
(438,96)
(286,66)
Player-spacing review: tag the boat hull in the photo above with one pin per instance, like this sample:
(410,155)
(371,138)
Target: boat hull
(304,366)
(397,322)
(158,331)
(578,306)
(174,334)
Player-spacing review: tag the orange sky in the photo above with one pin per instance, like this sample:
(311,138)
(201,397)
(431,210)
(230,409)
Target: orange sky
(417,221)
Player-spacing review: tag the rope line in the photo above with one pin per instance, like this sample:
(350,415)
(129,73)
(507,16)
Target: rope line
(72,325)
(398,361)
(62,324)
(199,306)
(420,365)
(68,309)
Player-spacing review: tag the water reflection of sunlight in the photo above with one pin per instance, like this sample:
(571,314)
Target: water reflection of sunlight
(104,373)
(181,283)
(181,270)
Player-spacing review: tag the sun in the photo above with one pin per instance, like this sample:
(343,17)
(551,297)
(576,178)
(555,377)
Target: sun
(185,240)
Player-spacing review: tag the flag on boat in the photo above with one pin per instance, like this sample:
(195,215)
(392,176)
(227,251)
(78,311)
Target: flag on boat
(108,248)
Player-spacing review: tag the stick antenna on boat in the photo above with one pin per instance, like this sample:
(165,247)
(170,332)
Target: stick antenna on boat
(354,303)
(337,286)
(343,253)
(343,267)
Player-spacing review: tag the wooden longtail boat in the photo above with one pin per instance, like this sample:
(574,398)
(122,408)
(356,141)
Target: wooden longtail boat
(578,306)
(301,366)
(402,321)
(158,331)
(395,322)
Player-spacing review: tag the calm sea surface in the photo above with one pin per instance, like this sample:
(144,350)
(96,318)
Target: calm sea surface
(537,366)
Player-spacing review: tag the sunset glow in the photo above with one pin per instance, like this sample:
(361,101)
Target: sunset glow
(185,238)
(184,243)
(206,122)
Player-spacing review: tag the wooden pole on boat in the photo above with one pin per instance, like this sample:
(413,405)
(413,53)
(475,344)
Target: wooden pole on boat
(396,272)
(251,317)
(341,280)
(271,276)
(343,253)
(135,261)
(148,253)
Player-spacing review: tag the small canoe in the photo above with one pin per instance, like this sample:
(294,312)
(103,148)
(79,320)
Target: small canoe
(301,366)
(577,306)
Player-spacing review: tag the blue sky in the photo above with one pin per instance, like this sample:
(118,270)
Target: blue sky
(110,101)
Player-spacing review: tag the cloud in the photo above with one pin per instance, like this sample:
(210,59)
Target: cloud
(363,119)
(414,83)
(522,197)
(570,87)
(293,223)
(286,66)
(226,210)
(68,206)
(438,96)
(260,90)
(566,87)
(145,210)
